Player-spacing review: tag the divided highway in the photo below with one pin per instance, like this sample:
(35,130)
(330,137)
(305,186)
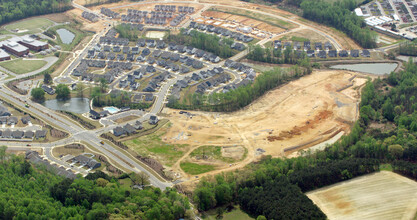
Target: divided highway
(78,134)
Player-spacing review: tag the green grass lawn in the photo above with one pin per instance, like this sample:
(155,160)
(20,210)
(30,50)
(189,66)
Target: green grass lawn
(213,152)
(152,144)
(235,214)
(34,24)
(20,66)
(194,169)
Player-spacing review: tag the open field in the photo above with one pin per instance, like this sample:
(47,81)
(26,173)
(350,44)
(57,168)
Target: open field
(153,145)
(20,66)
(382,195)
(299,114)
(235,214)
(194,168)
(303,35)
(290,106)
(31,24)
(249,18)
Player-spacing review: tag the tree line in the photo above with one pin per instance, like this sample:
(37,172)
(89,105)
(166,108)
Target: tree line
(408,48)
(34,193)
(388,102)
(240,97)
(208,42)
(278,56)
(12,10)
(339,15)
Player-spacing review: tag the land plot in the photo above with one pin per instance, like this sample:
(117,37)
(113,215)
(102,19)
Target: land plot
(311,100)
(304,35)
(275,27)
(250,17)
(382,195)
(153,145)
(34,24)
(20,66)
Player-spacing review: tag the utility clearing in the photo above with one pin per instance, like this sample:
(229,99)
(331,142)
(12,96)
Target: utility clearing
(382,195)
(295,116)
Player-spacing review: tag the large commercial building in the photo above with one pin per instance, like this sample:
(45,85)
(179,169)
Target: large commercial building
(20,46)
(33,44)
(4,55)
(15,48)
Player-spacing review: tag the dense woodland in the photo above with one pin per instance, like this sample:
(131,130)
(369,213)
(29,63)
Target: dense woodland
(340,16)
(12,10)
(208,42)
(385,133)
(34,193)
(242,96)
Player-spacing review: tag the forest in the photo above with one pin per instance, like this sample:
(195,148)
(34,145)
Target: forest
(384,134)
(33,193)
(340,16)
(208,42)
(12,10)
(243,95)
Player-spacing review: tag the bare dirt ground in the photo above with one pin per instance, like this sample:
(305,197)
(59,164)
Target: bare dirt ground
(87,25)
(303,33)
(242,20)
(300,113)
(383,195)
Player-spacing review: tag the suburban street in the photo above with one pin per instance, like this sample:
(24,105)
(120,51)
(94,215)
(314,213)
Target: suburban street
(92,138)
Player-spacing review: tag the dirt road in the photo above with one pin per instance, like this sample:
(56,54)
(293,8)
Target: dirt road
(301,113)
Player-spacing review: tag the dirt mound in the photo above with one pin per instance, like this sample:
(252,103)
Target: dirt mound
(298,130)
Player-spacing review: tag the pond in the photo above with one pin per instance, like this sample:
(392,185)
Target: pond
(372,68)
(66,36)
(74,105)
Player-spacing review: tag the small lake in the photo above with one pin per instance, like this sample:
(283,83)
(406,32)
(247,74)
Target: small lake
(66,36)
(372,68)
(74,105)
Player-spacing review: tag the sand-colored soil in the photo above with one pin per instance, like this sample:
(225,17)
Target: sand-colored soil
(383,195)
(242,20)
(87,25)
(301,113)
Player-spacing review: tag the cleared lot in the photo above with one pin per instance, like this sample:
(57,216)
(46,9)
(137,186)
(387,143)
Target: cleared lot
(383,195)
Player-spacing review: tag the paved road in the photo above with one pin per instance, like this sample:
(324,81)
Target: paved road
(77,133)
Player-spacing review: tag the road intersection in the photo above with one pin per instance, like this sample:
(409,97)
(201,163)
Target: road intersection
(92,137)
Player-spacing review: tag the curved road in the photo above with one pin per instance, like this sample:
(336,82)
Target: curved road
(77,133)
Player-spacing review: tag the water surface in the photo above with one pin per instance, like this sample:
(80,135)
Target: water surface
(66,36)
(372,68)
(74,105)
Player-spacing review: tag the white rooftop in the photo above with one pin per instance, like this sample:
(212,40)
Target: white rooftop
(3,54)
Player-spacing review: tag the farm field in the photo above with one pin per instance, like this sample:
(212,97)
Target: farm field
(382,195)
(31,25)
(20,66)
